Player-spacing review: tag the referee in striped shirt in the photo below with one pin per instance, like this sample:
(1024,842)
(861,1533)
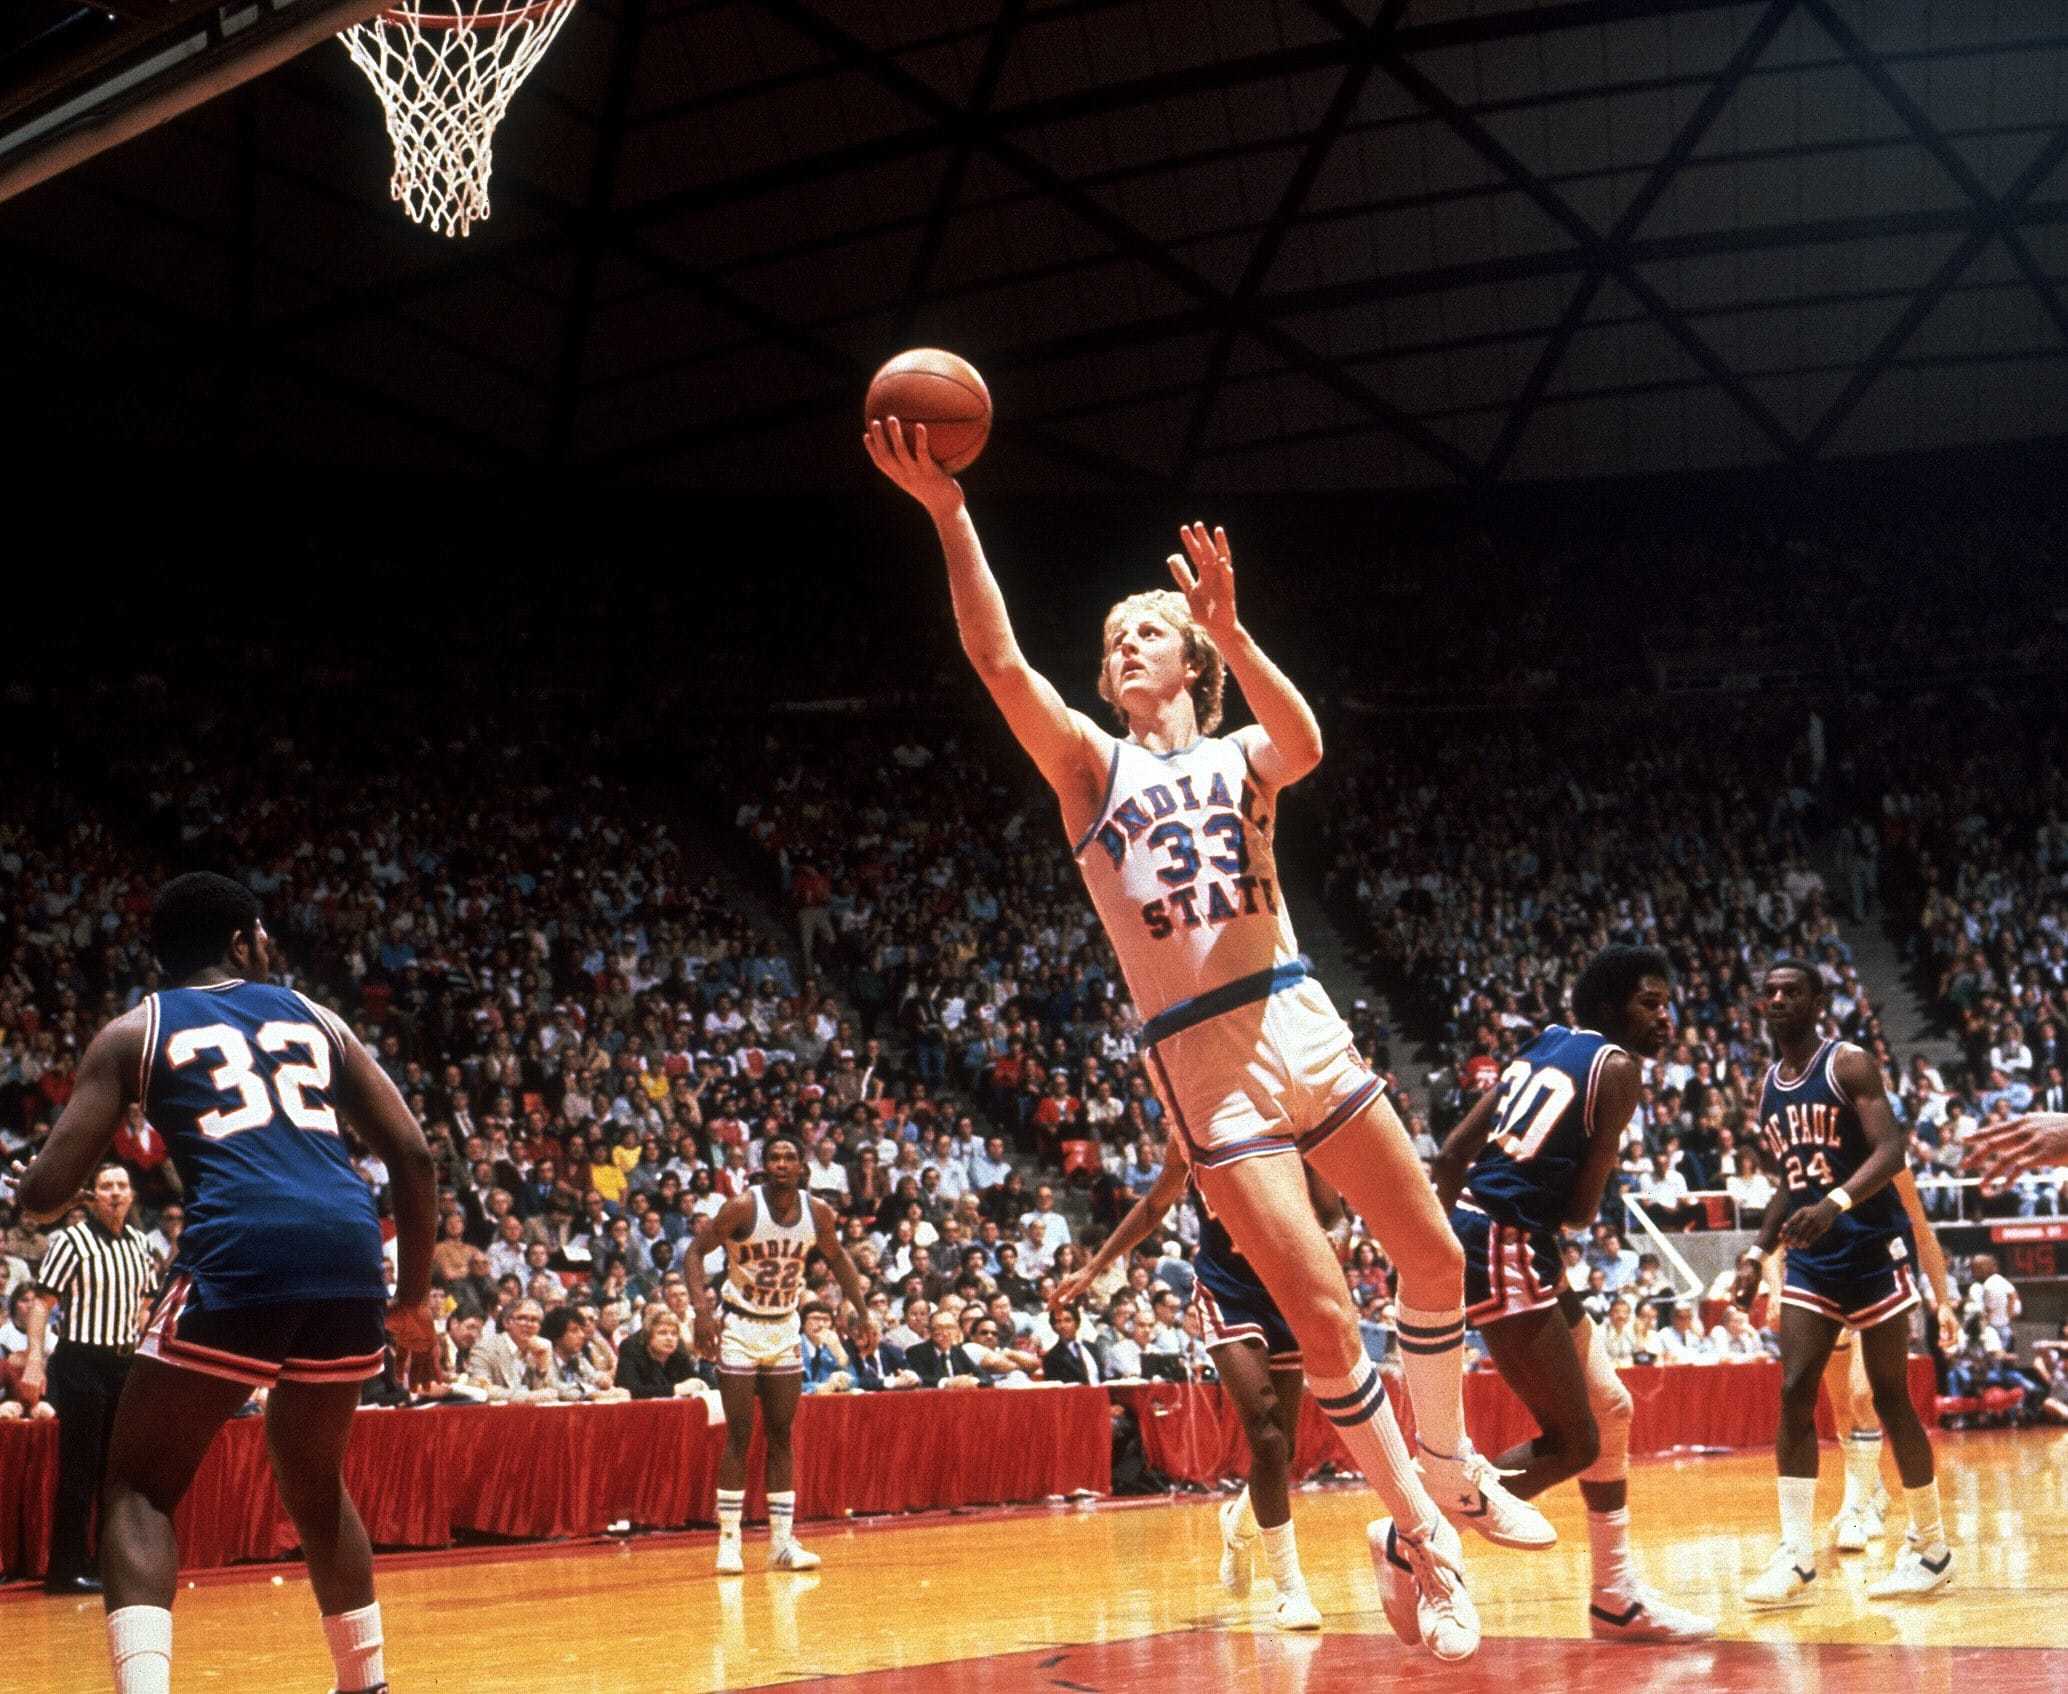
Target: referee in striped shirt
(101,1273)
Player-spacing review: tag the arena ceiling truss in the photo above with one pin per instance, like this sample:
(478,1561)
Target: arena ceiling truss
(1213,244)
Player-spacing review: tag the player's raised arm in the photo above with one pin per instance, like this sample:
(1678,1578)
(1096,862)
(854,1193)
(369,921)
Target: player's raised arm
(106,1084)
(1285,742)
(1069,749)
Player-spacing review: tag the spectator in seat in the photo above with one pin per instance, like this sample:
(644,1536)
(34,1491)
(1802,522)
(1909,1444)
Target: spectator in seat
(1000,1353)
(877,1363)
(570,1373)
(1047,1230)
(1071,1359)
(1619,1333)
(1994,1299)
(1735,1339)
(944,1359)
(1119,1343)
(826,1367)
(514,1364)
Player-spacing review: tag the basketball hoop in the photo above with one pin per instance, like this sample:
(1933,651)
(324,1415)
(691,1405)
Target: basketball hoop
(445,71)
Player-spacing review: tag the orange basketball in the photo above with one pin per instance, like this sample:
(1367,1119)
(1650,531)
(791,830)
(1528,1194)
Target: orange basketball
(941,391)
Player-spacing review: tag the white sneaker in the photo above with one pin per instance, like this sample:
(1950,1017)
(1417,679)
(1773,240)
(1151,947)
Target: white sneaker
(1422,1588)
(1468,1491)
(1238,1551)
(1783,1583)
(790,1556)
(729,1561)
(1647,1618)
(1295,1609)
(1918,1571)
(1854,1527)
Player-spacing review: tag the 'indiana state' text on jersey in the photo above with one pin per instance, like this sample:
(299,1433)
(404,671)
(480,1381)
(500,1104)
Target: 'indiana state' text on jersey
(1813,1133)
(241,1080)
(1180,867)
(1543,1120)
(764,1273)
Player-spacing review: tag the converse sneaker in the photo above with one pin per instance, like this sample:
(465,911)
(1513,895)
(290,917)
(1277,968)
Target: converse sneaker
(1467,1490)
(1238,1551)
(1422,1588)
(1643,1616)
(1785,1582)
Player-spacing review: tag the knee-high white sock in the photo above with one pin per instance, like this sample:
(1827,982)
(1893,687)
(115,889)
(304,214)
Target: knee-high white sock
(140,1649)
(732,1503)
(1608,1544)
(1862,1466)
(1432,1354)
(355,1648)
(1356,1404)
(1799,1516)
(1284,1554)
(782,1517)
(1926,1528)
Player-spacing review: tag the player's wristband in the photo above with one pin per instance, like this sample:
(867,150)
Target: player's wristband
(1841,1199)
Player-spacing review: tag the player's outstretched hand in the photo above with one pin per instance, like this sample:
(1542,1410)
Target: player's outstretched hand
(412,1329)
(1071,1290)
(911,465)
(1206,574)
(2006,1150)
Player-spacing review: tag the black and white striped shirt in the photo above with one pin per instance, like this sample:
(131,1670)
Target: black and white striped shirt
(101,1281)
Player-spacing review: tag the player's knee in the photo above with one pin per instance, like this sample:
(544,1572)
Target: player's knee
(1260,1428)
(1892,1405)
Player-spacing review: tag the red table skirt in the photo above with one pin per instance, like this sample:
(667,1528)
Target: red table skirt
(535,1472)
(1191,1431)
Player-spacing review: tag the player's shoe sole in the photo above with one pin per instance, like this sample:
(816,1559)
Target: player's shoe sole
(729,1562)
(793,1557)
(1915,1576)
(1647,1620)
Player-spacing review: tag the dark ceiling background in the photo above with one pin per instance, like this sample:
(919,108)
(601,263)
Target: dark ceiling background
(1220,245)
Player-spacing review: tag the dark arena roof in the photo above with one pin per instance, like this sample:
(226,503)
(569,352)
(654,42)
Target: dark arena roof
(1216,244)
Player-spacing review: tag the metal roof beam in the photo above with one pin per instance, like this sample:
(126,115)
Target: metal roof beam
(1728,80)
(1124,235)
(1884,354)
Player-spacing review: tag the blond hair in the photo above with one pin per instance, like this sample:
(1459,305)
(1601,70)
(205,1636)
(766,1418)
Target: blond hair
(1200,653)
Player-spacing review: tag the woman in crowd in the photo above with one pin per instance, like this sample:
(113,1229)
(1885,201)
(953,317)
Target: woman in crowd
(654,1364)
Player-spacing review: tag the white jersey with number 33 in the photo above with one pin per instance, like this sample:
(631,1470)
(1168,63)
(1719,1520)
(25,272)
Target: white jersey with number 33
(1180,866)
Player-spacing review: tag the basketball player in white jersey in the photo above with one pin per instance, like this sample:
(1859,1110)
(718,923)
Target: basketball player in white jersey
(768,1233)
(1172,829)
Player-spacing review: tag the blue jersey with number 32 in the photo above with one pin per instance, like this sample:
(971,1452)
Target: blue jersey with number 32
(241,1080)
(1543,1119)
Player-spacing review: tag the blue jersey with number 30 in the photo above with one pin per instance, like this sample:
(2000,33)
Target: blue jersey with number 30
(1543,1119)
(241,1080)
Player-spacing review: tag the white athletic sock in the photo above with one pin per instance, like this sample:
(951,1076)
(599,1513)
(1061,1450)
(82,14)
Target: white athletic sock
(140,1648)
(1608,1542)
(1284,1554)
(1799,1516)
(732,1502)
(1356,1404)
(1862,1465)
(1432,1354)
(782,1516)
(1245,1516)
(1926,1529)
(355,1648)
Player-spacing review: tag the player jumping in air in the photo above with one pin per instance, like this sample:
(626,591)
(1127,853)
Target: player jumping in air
(1530,1158)
(768,1233)
(279,1282)
(1171,827)
(1824,1117)
(1258,1361)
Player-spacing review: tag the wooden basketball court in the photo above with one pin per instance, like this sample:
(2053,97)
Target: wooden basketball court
(1123,1597)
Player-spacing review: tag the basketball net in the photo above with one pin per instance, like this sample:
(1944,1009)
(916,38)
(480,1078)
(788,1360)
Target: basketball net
(445,71)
